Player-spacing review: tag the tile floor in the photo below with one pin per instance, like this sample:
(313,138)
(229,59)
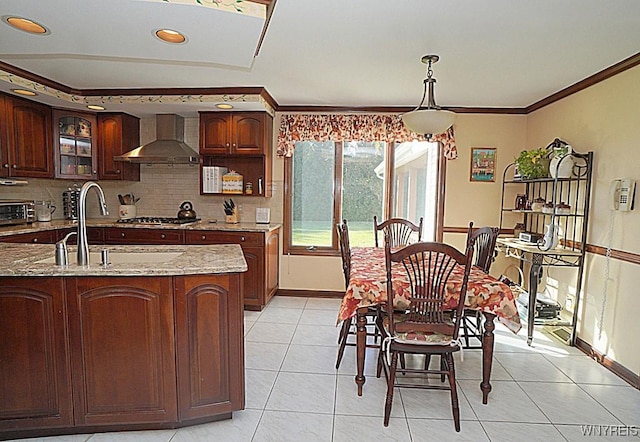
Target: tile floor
(545,392)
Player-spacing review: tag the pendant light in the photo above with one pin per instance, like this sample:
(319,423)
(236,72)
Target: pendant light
(431,119)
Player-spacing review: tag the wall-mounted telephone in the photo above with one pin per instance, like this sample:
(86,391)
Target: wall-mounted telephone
(621,194)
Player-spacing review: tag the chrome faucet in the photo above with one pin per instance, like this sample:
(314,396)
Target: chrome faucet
(83,244)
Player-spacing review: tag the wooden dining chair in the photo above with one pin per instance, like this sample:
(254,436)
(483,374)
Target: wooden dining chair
(348,327)
(483,242)
(401,231)
(427,327)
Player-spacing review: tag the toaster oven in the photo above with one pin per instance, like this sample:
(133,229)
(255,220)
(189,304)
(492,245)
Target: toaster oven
(16,212)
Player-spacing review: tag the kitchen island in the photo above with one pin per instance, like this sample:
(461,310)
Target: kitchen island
(152,340)
(260,244)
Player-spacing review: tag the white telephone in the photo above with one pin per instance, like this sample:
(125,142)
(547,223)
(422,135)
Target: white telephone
(621,194)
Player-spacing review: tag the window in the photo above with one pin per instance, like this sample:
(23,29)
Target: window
(330,181)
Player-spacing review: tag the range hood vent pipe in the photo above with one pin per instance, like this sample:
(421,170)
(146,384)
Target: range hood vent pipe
(169,146)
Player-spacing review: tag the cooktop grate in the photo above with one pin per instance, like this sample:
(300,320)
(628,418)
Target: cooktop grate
(156,220)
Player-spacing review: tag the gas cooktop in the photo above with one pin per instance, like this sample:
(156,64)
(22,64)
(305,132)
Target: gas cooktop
(156,220)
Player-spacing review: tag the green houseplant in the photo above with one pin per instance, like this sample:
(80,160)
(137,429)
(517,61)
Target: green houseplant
(533,163)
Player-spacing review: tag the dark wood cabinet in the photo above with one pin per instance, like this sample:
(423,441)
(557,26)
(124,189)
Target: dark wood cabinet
(260,281)
(235,133)
(239,141)
(25,138)
(119,352)
(35,382)
(122,350)
(74,140)
(209,340)
(117,133)
(123,235)
(42,237)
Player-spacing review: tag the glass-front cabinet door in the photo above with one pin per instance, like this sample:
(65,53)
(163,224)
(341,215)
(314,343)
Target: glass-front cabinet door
(75,154)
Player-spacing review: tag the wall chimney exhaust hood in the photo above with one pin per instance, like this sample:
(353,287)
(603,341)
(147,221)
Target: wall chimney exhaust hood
(168,148)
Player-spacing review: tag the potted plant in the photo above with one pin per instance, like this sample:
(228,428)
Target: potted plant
(533,163)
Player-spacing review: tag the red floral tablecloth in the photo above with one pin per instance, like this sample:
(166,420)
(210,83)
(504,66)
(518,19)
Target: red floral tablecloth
(368,286)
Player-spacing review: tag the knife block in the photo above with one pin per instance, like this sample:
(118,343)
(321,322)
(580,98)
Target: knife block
(233,218)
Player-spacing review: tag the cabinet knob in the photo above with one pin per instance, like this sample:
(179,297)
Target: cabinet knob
(5,165)
(163,236)
(203,237)
(242,238)
(95,172)
(117,170)
(227,144)
(35,239)
(15,166)
(122,235)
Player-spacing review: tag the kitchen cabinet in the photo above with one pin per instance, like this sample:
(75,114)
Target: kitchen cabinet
(210,345)
(35,382)
(239,141)
(109,352)
(235,133)
(74,141)
(123,235)
(122,350)
(260,250)
(25,138)
(566,206)
(117,133)
(42,237)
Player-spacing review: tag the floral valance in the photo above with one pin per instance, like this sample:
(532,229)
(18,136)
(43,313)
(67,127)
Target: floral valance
(361,127)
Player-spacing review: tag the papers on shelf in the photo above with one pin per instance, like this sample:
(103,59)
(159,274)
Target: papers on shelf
(212,178)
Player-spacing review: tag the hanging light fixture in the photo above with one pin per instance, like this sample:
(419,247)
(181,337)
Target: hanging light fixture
(431,119)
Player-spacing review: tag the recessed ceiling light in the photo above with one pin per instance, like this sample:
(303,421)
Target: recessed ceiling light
(170,36)
(224,106)
(95,107)
(24,92)
(26,25)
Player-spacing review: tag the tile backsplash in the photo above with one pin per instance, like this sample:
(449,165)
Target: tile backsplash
(162,188)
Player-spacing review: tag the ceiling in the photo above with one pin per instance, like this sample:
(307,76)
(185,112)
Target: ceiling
(336,53)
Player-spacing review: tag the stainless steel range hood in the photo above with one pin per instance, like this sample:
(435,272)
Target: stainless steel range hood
(168,148)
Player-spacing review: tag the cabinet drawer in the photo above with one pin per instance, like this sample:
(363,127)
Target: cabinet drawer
(217,237)
(45,237)
(142,236)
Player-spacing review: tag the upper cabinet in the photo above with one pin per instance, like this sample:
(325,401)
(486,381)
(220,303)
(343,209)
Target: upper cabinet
(117,133)
(235,133)
(25,138)
(74,145)
(240,142)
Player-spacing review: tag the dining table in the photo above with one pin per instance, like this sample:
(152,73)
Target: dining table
(368,287)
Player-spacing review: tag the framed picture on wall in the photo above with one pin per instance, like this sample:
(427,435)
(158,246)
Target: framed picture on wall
(483,164)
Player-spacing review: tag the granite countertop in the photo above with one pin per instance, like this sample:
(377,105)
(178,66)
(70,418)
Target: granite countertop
(98,222)
(164,260)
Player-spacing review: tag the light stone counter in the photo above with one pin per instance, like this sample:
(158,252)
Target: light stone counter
(24,260)
(97,222)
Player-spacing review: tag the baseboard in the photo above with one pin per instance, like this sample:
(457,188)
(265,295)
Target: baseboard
(616,368)
(310,293)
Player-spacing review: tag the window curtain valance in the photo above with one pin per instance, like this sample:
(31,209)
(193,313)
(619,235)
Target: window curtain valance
(361,127)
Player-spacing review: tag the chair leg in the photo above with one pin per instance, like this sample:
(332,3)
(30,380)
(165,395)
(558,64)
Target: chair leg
(390,383)
(342,340)
(451,373)
(427,361)
(465,327)
(443,367)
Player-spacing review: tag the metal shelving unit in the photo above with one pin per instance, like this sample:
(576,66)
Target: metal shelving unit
(572,225)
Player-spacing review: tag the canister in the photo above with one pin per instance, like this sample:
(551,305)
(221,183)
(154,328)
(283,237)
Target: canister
(232,183)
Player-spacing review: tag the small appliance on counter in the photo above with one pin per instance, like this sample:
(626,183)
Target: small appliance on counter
(16,212)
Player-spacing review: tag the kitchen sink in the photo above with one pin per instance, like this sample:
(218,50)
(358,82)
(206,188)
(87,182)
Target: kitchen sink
(121,258)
